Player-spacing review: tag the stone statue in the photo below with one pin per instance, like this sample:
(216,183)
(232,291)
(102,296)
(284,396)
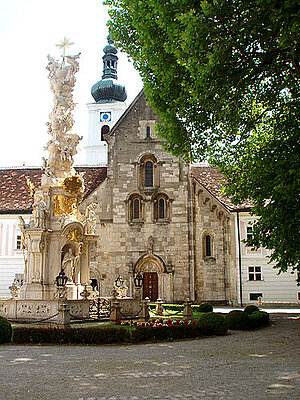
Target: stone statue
(69,264)
(63,145)
(90,218)
(40,211)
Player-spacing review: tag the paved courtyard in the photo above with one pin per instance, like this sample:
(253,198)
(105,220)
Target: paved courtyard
(263,364)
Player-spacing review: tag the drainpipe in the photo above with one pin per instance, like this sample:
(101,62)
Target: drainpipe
(240,257)
(191,239)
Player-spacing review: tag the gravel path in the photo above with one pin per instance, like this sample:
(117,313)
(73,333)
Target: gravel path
(263,364)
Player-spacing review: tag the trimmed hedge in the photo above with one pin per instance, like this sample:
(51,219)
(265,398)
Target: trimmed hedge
(238,320)
(173,332)
(70,335)
(212,324)
(251,309)
(5,330)
(205,307)
(259,319)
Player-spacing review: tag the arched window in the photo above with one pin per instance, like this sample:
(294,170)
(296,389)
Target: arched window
(149,174)
(161,207)
(207,245)
(148,132)
(104,131)
(135,208)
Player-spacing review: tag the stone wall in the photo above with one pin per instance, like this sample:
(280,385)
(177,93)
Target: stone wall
(123,242)
(215,271)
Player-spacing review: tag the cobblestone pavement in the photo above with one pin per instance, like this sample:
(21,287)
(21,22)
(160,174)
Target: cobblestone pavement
(262,364)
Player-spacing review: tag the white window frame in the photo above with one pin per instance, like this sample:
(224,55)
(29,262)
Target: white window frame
(257,271)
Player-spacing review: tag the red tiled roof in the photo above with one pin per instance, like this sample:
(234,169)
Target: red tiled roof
(14,192)
(214,182)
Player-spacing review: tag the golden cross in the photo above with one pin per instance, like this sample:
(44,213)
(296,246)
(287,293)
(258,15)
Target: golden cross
(63,44)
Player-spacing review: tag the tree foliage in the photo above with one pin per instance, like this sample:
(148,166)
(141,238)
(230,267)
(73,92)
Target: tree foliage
(223,75)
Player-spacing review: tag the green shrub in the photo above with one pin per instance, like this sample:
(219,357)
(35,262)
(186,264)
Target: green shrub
(205,307)
(70,335)
(212,324)
(5,330)
(172,332)
(251,309)
(259,319)
(238,320)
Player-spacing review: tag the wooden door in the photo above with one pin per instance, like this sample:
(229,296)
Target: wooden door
(150,285)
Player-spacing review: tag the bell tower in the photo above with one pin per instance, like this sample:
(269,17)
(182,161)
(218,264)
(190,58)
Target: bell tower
(109,105)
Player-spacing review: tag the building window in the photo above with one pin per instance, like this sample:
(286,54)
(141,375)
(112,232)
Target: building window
(149,174)
(249,233)
(136,209)
(207,246)
(255,296)
(254,273)
(148,132)
(135,212)
(19,242)
(161,207)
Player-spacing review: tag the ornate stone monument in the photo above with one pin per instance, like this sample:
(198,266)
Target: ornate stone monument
(58,237)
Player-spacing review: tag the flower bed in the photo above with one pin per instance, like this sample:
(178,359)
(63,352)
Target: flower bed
(156,323)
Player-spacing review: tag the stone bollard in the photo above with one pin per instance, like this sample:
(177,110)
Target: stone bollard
(63,318)
(187,311)
(159,307)
(115,314)
(145,314)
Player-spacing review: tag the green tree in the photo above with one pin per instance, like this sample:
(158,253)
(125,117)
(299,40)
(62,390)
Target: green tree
(223,75)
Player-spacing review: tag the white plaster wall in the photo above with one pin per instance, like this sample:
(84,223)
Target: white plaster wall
(11,259)
(275,288)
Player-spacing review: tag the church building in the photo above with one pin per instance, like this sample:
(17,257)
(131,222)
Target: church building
(157,216)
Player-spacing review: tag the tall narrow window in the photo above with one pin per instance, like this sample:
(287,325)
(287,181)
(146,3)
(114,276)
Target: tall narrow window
(161,209)
(148,131)
(149,174)
(136,209)
(19,242)
(208,246)
(249,232)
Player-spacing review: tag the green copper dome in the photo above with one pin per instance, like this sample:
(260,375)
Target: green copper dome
(108,90)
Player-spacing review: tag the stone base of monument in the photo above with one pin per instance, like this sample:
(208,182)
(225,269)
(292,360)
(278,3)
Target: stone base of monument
(45,311)
(129,307)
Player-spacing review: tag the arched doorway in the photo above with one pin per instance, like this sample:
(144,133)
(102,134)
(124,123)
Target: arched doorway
(152,269)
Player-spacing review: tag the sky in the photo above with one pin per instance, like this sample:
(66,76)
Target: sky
(29,30)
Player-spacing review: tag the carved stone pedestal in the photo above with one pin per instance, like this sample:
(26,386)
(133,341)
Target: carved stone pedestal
(63,318)
(145,314)
(188,311)
(115,314)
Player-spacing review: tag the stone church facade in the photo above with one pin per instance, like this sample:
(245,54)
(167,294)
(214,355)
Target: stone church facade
(157,219)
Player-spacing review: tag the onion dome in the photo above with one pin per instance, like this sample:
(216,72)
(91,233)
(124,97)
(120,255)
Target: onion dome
(108,90)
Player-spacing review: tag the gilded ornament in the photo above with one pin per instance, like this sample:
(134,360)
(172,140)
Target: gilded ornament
(74,236)
(73,185)
(64,205)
